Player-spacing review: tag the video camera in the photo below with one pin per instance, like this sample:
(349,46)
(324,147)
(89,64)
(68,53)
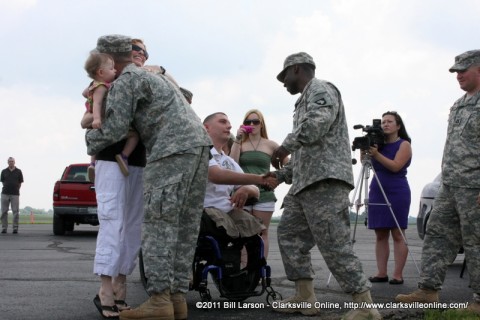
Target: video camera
(373,137)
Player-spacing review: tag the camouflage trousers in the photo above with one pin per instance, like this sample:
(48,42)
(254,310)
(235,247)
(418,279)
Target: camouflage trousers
(454,221)
(319,215)
(174,194)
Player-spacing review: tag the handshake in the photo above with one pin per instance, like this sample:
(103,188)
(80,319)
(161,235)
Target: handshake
(270,181)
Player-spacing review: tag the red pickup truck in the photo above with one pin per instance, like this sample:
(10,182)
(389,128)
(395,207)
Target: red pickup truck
(74,200)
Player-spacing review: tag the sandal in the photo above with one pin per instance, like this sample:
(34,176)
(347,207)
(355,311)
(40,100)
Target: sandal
(122,305)
(119,296)
(378,279)
(102,308)
(396,281)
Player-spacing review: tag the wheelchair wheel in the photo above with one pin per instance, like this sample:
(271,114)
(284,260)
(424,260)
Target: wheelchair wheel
(272,295)
(141,267)
(239,287)
(205,296)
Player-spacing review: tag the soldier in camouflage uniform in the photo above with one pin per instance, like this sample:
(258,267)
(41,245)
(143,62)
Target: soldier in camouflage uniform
(455,219)
(316,206)
(175,176)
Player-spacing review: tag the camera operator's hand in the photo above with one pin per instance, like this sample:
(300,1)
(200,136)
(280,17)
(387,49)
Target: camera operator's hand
(373,150)
(277,157)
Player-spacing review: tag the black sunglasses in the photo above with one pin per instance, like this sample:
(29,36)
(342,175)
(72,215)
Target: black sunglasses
(255,122)
(138,49)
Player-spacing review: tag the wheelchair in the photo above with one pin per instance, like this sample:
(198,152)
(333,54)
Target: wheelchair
(219,255)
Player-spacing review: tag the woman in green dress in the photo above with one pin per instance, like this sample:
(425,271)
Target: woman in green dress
(252,150)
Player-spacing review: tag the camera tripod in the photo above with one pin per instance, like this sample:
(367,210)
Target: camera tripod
(363,186)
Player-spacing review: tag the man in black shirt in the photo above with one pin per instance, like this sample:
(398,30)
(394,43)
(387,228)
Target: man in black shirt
(12,179)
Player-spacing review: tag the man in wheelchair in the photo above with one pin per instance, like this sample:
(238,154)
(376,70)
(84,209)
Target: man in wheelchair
(229,236)
(228,188)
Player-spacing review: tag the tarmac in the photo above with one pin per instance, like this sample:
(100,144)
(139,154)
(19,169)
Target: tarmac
(50,277)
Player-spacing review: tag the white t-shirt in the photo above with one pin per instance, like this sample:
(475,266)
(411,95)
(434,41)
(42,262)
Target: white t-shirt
(218,195)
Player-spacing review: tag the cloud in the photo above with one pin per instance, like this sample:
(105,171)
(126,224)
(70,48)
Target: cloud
(17,6)
(11,11)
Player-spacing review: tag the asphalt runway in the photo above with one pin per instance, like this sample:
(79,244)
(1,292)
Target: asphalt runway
(47,277)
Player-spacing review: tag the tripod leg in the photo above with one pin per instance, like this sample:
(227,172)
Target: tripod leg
(358,202)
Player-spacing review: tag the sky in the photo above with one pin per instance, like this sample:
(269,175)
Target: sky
(381,54)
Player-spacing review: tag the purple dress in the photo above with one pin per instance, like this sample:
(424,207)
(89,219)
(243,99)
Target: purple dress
(396,189)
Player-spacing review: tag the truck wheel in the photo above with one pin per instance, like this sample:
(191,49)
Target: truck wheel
(58,225)
(69,225)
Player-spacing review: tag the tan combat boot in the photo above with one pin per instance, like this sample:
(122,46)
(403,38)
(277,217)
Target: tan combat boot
(419,295)
(363,313)
(303,301)
(157,307)
(179,305)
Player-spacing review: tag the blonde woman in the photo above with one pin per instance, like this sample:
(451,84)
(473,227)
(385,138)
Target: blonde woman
(252,150)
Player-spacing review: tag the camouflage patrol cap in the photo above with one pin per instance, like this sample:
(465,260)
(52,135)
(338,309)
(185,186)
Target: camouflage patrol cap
(466,60)
(293,59)
(114,43)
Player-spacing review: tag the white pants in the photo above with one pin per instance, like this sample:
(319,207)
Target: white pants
(120,213)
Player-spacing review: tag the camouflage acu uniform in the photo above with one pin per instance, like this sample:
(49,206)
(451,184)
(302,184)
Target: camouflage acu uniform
(175,175)
(316,206)
(455,219)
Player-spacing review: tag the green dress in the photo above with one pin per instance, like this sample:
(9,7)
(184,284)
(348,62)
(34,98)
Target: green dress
(257,162)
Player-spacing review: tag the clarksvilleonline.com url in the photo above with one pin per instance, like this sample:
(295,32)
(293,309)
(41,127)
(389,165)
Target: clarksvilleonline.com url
(403,305)
(366,305)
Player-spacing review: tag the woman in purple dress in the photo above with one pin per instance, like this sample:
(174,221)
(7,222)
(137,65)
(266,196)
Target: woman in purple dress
(390,162)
